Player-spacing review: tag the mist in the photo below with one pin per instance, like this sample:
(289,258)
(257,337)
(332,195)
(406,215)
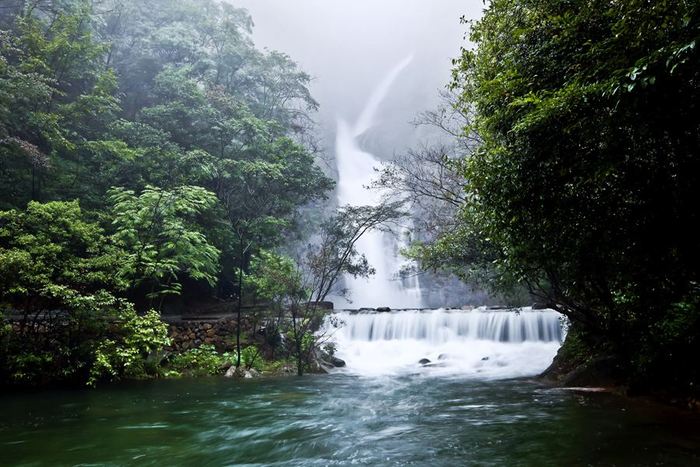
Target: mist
(347,46)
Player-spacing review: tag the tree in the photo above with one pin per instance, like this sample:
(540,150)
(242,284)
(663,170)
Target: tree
(334,253)
(208,138)
(58,286)
(297,288)
(586,178)
(159,230)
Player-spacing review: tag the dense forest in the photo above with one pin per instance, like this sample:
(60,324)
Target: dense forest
(153,160)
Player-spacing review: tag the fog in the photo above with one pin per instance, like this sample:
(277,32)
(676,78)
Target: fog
(349,45)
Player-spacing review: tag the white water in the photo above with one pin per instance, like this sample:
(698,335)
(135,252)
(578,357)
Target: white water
(480,343)
(355,173)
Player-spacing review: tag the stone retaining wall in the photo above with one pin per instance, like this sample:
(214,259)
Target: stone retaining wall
(189,334)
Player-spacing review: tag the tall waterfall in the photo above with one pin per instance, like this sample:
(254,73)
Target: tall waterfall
(355,172)
(480,343)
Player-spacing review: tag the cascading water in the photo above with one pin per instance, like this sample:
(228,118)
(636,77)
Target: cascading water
(479,343)
(355,172)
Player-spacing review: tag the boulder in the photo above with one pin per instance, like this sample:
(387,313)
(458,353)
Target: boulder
(336,362)
(423,361)
(383,309)
(249,374)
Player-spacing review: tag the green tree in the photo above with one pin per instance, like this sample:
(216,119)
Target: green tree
(59,290)
(585,183)
(159,230)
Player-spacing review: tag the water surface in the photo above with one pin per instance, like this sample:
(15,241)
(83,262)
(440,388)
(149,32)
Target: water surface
(341,419)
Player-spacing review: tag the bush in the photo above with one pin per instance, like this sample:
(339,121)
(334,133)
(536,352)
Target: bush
(127,354)
(202,361)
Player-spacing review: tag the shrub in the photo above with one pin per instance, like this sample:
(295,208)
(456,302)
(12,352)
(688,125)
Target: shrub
(202,361)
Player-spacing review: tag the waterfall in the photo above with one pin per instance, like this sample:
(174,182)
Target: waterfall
(480,343)
(355,171)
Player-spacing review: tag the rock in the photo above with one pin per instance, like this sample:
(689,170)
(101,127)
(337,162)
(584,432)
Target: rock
(249,374)
(336,362)
(367,309)
(231,372)
(423,361)
(539,306)
(443,356)
(383,309)
(324,306)
(483,359)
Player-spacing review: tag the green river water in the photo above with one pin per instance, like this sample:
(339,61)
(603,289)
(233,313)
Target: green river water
(341,419)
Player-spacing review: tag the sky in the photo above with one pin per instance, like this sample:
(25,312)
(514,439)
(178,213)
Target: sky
(348,46)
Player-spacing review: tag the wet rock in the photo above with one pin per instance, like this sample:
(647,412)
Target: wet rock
(324,306)
(383,309)
(231,372)
(423,361)
(483,359)
(367,309)
(443,356)
(249,374)
(336,362)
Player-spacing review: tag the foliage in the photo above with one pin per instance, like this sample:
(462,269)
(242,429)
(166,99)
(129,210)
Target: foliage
(57,286)
(126,353)
(585,184)
(159,231)
(296,288)
(189,148)
(202,361)
(335,252)
(205,360)
(49,251)
(274,278)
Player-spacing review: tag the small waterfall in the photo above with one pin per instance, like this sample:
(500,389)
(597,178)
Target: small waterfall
(355,173)
(480,343)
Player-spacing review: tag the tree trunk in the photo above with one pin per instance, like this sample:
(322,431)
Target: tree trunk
(238,311)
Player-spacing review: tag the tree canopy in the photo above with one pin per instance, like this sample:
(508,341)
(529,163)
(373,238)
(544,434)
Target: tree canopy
(585,183)
(148,150)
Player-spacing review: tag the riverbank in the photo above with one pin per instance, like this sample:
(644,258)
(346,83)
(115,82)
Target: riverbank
(576,367)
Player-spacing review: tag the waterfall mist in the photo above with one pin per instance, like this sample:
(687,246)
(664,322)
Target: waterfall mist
(366,109)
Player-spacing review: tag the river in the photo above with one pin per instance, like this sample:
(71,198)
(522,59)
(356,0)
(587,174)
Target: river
(475,403)
(341,420)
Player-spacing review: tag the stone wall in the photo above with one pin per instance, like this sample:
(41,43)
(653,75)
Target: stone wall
(190,333)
